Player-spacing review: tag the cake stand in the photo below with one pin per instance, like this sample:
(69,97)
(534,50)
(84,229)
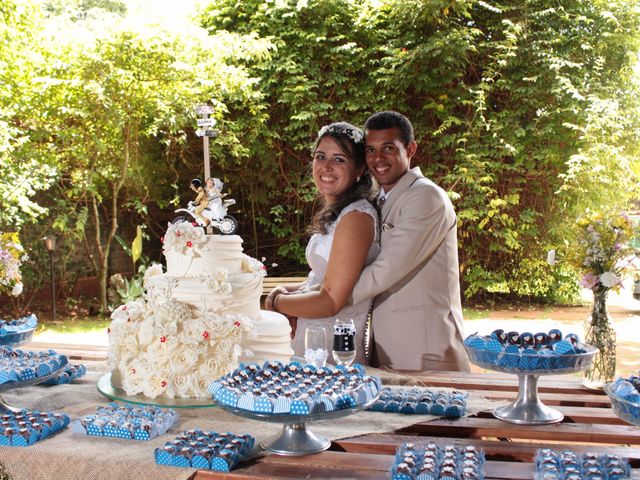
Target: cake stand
(528,409)
(15,339)
(25,383)
(106,388)
(295,439)
(625,409)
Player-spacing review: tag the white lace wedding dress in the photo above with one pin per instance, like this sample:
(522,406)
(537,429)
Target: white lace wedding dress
(317,254)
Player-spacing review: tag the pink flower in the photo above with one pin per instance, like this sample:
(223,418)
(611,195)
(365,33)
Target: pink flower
(589,280)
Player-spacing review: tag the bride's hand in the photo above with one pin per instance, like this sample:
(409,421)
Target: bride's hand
(268,302)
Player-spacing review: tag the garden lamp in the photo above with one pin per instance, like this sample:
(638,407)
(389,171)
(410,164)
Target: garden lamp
(50,243)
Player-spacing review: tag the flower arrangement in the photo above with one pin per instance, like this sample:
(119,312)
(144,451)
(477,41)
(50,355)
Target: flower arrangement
(169,349)
(11,257)
(600,251)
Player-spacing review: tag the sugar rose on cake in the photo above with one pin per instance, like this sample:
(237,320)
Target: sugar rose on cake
(198,320)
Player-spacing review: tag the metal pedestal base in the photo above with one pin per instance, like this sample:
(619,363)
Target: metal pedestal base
(527,409)
(295,440)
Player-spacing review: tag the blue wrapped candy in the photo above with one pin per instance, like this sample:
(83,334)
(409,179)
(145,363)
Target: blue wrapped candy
(567,464)
(205,450)
(68,375)
(431,462)
(126,421)
(24,428)
(294,389)
(20,366)
(625,398)
(526,352)
(422,401)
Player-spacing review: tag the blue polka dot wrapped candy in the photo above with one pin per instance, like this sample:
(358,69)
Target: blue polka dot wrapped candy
(294,394)
(625,398)
(294,389)
(129,422)
(544,352)
(194,448)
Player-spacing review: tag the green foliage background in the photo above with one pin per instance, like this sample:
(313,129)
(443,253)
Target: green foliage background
(526,112)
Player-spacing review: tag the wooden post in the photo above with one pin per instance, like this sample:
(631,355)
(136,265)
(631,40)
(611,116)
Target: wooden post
(205,148)
(205,130)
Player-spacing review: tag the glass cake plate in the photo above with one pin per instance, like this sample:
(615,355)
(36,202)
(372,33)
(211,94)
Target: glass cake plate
(295,439)
(15,339)
(4,387)
(113,393)
(527,409)
(625,409)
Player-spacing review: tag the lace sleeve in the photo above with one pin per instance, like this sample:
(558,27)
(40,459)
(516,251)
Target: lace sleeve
(365,207)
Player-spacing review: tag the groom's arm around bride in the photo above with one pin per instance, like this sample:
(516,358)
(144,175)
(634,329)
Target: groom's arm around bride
(417,317)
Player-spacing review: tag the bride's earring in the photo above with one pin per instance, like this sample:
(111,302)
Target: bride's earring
(357,179)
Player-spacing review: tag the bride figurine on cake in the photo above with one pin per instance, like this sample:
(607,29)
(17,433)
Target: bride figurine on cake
(213,188)
(344,240)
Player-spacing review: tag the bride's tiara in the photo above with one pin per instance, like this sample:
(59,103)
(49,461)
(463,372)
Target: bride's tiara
(355,135)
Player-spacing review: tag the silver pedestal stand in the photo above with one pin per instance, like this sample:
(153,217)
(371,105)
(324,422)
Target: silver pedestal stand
(528,409)
(295,439)
(14,340)
(4,406)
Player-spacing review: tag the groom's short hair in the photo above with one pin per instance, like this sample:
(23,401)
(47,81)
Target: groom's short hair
(391,119)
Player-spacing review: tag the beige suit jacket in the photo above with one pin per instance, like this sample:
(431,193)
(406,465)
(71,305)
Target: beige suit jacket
(417,317)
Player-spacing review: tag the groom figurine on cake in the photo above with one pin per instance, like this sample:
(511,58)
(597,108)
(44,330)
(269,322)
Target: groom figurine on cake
(417,318)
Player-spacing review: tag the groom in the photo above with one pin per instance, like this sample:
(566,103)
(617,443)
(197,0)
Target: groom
(417,316)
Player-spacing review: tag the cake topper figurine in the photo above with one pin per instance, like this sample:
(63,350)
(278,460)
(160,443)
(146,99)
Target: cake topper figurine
(209,210)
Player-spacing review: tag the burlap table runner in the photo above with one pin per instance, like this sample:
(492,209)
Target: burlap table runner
(72,456)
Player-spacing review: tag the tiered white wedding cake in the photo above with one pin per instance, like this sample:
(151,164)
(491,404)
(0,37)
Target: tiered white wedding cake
(198,321)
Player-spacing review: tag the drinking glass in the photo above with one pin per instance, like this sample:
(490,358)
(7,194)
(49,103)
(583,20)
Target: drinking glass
(344,342)
(315,346)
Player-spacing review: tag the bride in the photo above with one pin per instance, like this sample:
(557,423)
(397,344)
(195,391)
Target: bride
(345,239)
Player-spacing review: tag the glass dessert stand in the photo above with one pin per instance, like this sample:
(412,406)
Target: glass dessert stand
(5,387)
(14,340)
(625,409)
(295,439)
(106,388)
(528,409)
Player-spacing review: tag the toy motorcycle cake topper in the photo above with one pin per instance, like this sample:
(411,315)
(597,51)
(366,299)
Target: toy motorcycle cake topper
(209,210)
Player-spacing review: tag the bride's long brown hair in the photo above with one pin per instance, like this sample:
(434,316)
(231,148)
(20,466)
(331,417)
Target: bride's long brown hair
(350,140)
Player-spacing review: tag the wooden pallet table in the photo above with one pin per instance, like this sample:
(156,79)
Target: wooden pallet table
(589,426)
